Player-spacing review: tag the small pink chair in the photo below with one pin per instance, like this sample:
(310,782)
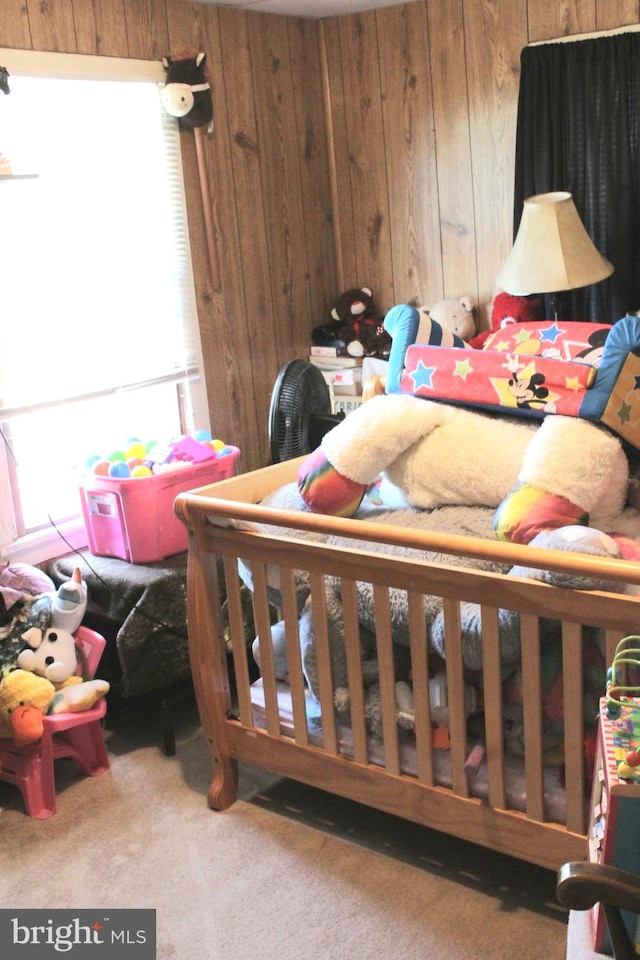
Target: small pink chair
(75,735)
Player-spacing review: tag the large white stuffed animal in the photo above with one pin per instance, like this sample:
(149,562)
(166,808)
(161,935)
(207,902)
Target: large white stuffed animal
(564,471)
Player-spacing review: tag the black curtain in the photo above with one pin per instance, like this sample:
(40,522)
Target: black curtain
(578,130)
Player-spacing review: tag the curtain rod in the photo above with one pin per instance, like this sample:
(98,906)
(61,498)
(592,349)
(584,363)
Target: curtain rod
(631,28)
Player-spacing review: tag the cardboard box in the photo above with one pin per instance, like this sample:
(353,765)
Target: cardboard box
(345,404)
(349,377)
(347,390)
(335,363)
(134,520)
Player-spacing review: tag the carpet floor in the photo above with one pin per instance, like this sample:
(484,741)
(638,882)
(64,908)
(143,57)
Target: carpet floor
(287,872)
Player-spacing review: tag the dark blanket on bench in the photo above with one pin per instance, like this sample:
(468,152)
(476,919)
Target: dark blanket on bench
(148,604)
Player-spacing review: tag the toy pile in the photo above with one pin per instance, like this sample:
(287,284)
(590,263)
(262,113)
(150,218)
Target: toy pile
(353,348)
(139,458)
(339,347)
(40,664)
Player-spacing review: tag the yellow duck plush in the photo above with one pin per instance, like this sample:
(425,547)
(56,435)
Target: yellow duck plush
(25,698)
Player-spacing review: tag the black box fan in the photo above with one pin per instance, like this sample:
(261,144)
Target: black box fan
(300,411)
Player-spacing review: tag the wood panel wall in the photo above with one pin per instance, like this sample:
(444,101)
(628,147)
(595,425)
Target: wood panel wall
(371,149)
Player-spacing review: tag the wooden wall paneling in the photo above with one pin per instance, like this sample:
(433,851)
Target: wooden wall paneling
(313,160)
(285,265)
(560,18)
(338,146)
(248,305)
(494,36)
(195,26)
(14,25)
(51,26)
(214,339)
(365,132)
(147,31)
(187,27)
(616,13)
(224,326)
(100,27)
(453,148)
(410,154)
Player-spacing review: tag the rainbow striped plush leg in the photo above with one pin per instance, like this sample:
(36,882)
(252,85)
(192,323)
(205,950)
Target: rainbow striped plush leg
(324,490)
(526,511)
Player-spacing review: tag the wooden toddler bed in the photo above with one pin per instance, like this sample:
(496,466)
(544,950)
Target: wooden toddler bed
(518,805)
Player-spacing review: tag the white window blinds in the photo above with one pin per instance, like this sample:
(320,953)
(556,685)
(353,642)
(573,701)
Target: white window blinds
(95,274)
(100,337)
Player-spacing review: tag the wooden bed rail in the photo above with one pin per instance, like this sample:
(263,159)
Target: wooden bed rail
(236,502)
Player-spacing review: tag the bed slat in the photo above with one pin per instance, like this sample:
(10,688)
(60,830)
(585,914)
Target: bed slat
(455,695)
(386,670)
(354,671)
(262,621)
(323,657)
(493,712)
(294,658)
(532,708)
(236,632)
(573,716)
(420,681)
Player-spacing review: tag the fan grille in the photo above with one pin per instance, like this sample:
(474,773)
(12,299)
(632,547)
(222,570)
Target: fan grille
(299,396)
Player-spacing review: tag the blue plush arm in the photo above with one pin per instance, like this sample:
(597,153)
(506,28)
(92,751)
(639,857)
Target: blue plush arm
(401,323)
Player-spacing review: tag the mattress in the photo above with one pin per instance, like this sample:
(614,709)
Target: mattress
(478,782)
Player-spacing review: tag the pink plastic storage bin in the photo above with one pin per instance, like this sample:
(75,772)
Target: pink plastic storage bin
(134,519)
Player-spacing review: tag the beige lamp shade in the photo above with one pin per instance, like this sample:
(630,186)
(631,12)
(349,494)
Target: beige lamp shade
(552,250)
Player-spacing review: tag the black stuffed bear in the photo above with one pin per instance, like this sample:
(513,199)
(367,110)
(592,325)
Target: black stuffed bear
(356,325)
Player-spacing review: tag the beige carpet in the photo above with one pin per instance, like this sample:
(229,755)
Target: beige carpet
(287,873)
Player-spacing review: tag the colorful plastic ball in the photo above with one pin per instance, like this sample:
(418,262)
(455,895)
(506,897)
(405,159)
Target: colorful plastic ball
(101,468)
(218,444)
(202,436)
(116,455)
(120,469)
(135,450)
(91,461)
(134,462)
(141,471)
(150,444)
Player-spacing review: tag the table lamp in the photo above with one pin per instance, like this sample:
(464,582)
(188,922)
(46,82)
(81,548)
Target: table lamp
(552,251)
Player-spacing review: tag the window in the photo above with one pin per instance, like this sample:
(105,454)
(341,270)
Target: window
(99,326)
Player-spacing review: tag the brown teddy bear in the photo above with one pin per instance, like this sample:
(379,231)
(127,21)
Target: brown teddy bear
(356,325)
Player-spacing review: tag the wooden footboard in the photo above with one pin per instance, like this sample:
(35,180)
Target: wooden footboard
(271,725)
